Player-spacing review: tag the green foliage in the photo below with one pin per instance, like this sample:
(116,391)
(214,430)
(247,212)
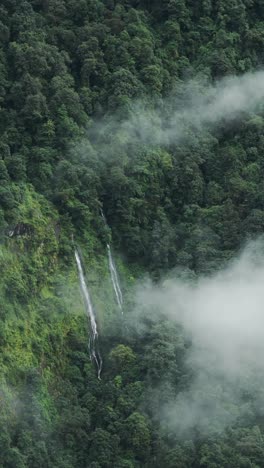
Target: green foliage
(71,75)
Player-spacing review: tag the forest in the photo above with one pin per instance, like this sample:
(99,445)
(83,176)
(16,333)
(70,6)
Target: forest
(132,141)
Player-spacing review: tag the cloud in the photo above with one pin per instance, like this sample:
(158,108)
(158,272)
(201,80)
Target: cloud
(224,317)
(194,107)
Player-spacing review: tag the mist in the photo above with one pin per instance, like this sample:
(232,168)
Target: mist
(224,317)
(193,107)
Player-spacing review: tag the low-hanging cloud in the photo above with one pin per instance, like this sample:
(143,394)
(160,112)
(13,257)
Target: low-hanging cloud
(194,107)
(224,317)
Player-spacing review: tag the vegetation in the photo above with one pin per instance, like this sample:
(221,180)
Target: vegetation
(70,74)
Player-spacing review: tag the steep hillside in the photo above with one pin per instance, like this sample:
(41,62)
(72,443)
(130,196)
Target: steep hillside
(88,90)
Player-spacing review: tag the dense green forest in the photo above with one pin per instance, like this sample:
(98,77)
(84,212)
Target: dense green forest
(75,78)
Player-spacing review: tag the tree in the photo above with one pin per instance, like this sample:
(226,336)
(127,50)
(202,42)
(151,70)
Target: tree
(136,435)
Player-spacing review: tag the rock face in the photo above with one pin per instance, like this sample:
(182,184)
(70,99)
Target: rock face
(20,229)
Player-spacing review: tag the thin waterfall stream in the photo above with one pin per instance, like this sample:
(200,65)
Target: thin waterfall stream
(113,273)
(93,341)
(114,278)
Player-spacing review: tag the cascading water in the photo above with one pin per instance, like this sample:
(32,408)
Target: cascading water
(113,273)
(114,278)
(93,341)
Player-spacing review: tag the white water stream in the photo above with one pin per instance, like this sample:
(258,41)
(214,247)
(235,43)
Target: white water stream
(113,273)
(114,278)
(93,341)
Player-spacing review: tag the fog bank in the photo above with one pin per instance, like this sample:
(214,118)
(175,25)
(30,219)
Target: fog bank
(224,317)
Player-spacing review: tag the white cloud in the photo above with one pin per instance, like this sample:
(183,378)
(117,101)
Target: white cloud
(197,106)
(224,316)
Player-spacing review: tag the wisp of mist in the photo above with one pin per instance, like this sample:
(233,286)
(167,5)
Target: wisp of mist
(224,317)
(193,107)
(198,106)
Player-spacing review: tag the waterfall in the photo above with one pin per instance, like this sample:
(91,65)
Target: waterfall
(114,278)
(93,341)
(113,273)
